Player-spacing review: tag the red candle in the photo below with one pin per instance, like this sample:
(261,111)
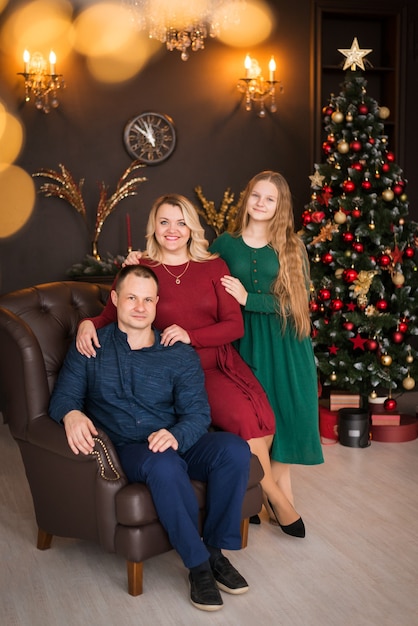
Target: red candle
(128,231)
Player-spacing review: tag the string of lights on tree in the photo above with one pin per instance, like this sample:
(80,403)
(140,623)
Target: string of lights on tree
(362,248)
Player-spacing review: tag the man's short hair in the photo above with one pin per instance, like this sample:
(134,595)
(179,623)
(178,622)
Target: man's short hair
(141,271)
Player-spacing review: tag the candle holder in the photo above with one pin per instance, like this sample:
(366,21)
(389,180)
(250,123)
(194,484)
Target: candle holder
(257,89)
(40,83)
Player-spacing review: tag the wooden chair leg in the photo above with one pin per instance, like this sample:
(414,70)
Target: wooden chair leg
(135,577)
(44,540)
(245,524)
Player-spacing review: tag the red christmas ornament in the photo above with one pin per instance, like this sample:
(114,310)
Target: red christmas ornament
(390,404)
(327,147)
(397,337)
(348,326)
(328,110)
(366,184)
(314,333)
(336,305)
(348,237)
(358,246)
(409,252)
(349,275)
(397,189)
(372,141)
(313,306)
(403,327)
(385,167)
(371,345)
(363,109)
(356,213)
(381,305)
(390,157)
(384,260)
(356,145)
(306,218)
(324,294)
(357,166)
(348,186)
(327,258)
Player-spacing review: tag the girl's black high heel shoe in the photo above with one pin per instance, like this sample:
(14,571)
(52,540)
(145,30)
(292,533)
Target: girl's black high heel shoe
(296,529)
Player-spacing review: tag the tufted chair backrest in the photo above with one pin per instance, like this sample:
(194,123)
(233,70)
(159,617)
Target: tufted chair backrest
(37,325)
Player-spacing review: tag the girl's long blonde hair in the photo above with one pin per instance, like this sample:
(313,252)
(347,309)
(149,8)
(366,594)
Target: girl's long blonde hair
(197,246)
(291,286)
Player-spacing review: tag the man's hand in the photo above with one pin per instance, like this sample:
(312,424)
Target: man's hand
(79,430)
(235,288)
(161,440)
(174,333)
(87,339)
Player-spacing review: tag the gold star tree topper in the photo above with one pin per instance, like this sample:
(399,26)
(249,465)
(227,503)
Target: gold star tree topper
(354,56)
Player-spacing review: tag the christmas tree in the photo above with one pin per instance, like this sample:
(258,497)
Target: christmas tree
(362,248)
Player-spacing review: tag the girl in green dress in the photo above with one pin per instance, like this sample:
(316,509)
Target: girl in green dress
(270,279)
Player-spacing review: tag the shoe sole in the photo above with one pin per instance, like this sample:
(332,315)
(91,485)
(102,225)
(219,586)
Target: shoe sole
(234,592)
(207,607)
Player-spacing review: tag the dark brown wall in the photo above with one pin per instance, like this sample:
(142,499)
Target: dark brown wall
(220,145)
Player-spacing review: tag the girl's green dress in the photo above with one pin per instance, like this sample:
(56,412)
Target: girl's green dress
(283,364)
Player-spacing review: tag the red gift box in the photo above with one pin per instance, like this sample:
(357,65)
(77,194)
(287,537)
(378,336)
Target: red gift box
(328,425)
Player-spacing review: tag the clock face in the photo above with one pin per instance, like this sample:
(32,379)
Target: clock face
(150,137)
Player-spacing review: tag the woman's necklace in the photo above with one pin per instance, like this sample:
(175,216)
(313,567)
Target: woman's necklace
(178,281)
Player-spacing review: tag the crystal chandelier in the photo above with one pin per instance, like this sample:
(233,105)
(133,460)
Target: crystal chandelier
(184,24)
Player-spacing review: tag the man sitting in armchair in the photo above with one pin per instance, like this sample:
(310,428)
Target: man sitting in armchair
(150,399)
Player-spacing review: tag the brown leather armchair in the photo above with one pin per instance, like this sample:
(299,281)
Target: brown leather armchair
(78,496)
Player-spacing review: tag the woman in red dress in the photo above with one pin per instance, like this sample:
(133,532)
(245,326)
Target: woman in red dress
(194,308)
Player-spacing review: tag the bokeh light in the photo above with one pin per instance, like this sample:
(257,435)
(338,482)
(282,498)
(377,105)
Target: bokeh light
(11,137)
(40,25)
(17,199)
(106,34)
(256,23)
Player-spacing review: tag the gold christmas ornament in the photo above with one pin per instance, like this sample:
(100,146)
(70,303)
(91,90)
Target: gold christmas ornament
(409,358)
(340,217)
(339,273)
(408,383)
(337,117)
(384,113)
(398,279)
(333,377)
(388,195)
(373,395)
(349,117)
(343,147)
(386,360)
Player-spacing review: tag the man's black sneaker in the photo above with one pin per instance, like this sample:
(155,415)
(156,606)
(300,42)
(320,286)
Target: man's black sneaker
(227,577)
(204,592)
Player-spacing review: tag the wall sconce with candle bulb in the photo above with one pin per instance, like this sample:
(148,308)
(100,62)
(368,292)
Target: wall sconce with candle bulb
(41,80)
(257,89)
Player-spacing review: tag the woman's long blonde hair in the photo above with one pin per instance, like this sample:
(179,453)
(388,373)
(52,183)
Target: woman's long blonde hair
(197,246)
(291,287)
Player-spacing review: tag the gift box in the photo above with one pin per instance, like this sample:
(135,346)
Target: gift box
(328,425)
(341,400)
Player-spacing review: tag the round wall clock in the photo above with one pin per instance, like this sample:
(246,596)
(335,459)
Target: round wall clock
(150,137)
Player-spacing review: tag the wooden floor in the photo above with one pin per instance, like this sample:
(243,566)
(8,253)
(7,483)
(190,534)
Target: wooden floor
(358,564)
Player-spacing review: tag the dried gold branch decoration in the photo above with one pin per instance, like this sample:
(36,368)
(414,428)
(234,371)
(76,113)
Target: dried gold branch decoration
(66,188)
(222,220)
(124,188)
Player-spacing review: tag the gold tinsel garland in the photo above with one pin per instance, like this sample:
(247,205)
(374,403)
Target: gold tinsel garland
(220,220)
